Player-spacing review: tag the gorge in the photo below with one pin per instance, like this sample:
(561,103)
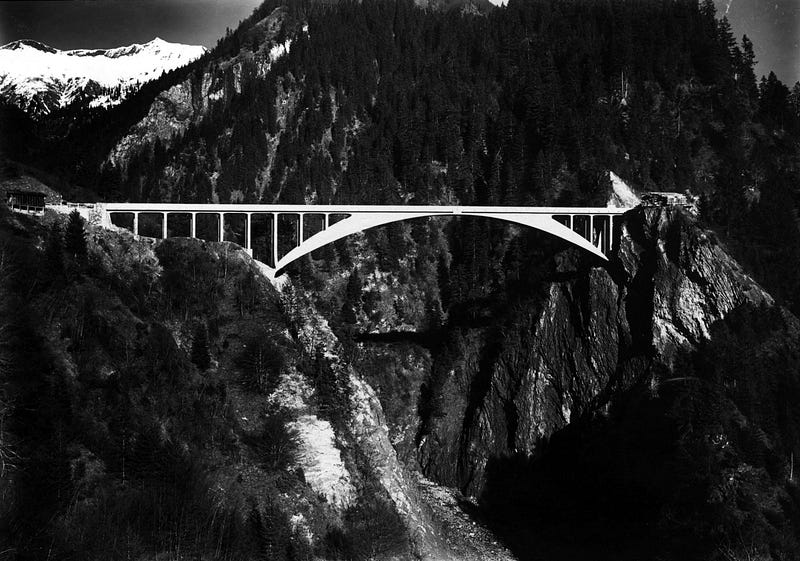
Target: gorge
(434,388)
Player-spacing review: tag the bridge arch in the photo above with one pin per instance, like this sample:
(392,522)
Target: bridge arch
(360,223)
(589,228)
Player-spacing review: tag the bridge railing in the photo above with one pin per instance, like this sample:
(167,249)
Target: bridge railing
(27,209)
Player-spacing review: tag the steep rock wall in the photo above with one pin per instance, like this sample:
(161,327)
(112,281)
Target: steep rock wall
(570,351)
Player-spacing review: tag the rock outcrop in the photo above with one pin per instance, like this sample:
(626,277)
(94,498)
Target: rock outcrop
(591,336)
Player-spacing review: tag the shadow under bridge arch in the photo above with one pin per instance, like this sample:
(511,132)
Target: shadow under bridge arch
(591,229)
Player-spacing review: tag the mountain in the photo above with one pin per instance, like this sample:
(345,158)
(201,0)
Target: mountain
(41,79)
(163,396)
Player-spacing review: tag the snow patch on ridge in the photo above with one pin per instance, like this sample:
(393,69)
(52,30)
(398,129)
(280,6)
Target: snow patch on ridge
(30,70)
(279,50)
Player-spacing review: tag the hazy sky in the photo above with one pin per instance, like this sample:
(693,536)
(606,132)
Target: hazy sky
(773,25)
(75,24)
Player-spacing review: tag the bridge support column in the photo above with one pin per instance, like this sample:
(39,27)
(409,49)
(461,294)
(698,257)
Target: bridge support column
(591,230)
(300,229)
(135,223)
(193,232)
(221,226)
(604,236)
(248,227)
(164,226)
(275,238)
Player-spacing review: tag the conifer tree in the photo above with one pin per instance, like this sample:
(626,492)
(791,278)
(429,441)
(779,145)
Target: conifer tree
(747,70)
(261,362)
(276,534)
(75,236)
(352,298)
(200,355)
(434,316)
(794,99)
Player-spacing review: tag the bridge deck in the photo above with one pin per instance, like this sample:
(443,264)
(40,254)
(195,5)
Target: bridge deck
(344,209)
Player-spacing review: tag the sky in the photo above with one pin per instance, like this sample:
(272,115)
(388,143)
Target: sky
(774,28)
(95,24)
(773,25)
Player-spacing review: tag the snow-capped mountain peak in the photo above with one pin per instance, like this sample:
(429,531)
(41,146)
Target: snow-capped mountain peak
(29,44)
(40,78)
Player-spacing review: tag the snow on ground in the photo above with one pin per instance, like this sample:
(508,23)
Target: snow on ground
(279,50)
(623,195)
(29,68)
(321,461)
(100,101)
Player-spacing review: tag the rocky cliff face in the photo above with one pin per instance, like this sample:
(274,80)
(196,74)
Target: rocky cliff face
(569,353)
(642,343)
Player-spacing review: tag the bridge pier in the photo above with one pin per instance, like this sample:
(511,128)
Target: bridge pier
(248,244)
(299,228)
(275,239)
(135,223)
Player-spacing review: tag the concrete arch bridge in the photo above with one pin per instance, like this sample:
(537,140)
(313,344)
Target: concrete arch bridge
(276,235)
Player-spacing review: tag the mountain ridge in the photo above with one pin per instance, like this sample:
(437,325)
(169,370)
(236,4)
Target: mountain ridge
(41,79)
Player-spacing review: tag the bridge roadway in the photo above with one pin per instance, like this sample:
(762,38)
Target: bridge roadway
(300,229)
